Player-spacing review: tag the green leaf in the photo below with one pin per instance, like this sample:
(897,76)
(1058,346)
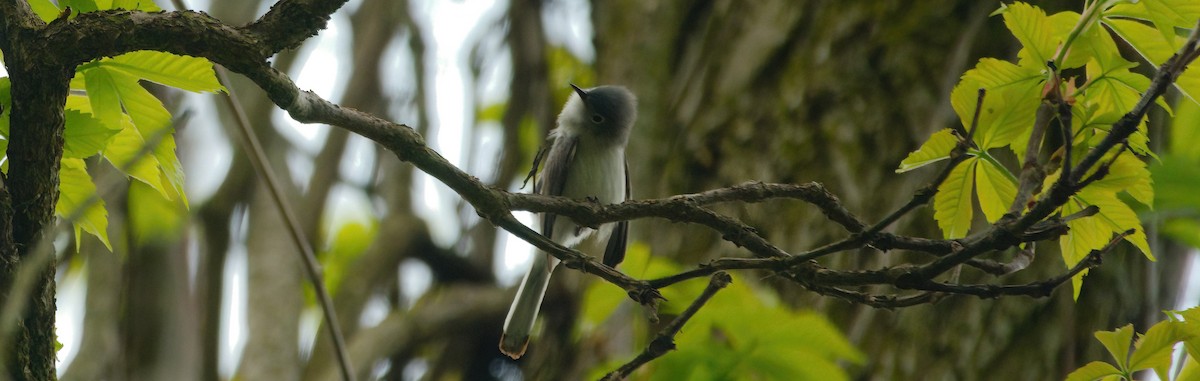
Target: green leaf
(152,217)
(6,103)
(601,299)
(1117,217)
(1185,231)
(1094,370)
(85,136)
(1176,181)
(993,74)
(1084,235)
(1188,83)
(102,94)
(1009,106)
(952,203)
(1115,90)
(718,343)
(1032,28)
(995,190)
(343,243)
(1151,45)
(124,151)
(1091,43)
(1169,14)
(109,88)
(141,5)
(79,103)
(964,97)
(1190,371)
(153,122)
(1191,328)
(78,202)
(780,364)
(1184,131)
(1145,40)
(45,10)
(1117,342)
(1154,348)
(1129,174)
(1016,112)
(743,332)
(936,149)
(183,72)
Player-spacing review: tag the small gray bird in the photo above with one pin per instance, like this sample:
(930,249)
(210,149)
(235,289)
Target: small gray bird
(585,161)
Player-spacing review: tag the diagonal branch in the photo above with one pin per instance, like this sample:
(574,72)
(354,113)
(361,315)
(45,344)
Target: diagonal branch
(665,341)
(190,33)
(1035,289)
(312,268)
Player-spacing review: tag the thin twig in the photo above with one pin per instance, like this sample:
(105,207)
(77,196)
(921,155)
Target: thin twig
(665,341)
(1064,121)
(1102,170)
(1041,288)
(970,138)
(873,300)
(312,268)
(1031,173)
(258,159)
(923,195)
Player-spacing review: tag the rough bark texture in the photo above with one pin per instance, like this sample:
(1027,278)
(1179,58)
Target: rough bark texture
(839,92)
(39,90)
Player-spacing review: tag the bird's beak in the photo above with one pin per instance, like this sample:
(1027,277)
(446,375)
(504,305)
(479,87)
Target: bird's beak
(582,94)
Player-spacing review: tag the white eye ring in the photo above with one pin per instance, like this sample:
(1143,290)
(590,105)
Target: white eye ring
(597,118)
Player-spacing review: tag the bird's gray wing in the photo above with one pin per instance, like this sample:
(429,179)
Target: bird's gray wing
(614,253)
(554,175)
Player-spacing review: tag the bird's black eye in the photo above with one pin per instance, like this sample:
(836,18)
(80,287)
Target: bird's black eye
(597,118)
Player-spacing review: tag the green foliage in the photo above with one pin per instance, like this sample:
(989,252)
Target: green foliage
(342,244)
(153,218)
(743,332)
(78,201)
(952,203)
(1151,351)
(112,114)
(936,149)
(1106,90)
(1177,176)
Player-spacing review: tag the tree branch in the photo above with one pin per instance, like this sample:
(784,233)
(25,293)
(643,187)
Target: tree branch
(197,34)
(665,341)
(1035,289)
(290,22)
(1003,231)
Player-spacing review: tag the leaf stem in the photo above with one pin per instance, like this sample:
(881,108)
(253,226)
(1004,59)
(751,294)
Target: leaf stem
(1089,16)
(992,160)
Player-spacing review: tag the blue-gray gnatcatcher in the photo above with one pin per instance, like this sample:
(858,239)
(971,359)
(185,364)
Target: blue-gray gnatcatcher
(586,160)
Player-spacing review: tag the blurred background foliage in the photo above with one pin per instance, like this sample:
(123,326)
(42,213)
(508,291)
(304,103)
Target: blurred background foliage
(773,90)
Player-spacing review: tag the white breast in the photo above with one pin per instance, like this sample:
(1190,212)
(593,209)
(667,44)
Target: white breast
(605,181)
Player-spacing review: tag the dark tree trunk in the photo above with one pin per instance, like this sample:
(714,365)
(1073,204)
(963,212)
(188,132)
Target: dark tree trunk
(39,91)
